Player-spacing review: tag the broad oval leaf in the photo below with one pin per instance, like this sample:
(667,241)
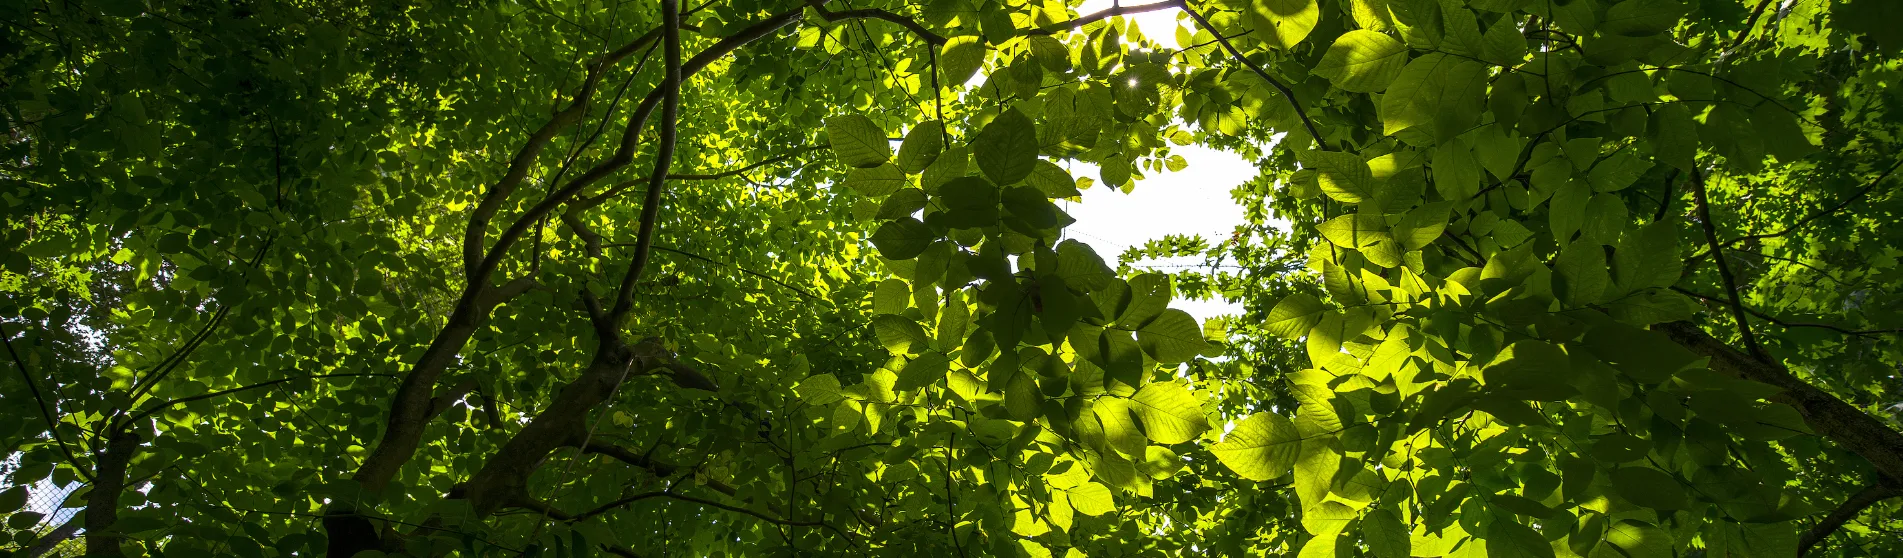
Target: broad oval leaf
(1363,61)
(1170,413)
(1260,448)
(857,141)
(1172,337)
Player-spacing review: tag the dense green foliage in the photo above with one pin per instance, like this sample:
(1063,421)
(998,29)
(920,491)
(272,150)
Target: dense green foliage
(767,277)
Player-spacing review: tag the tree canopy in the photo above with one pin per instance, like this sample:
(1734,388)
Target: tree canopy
(1543,278)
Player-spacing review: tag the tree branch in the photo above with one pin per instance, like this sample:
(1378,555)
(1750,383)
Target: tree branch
(618,189)
(1665,201)
(1284,89)
(149,411)
(1850,509)
(1782,323)
(663,160)
(53,538)
(473,249)
(1819,214)
(875,13)
(1830,417)
(1749,25)
(1699,195)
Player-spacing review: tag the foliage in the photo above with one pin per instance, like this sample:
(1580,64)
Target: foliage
(763,277)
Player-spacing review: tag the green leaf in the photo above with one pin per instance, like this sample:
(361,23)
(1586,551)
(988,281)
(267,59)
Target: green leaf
(1006,150)
(1437,94)
(1386,535)
(1050,52)
(902,239)
(1021,397)
(922,371)
(1169,412)
(1648,257)
(969,202)
(1363,61)
(819,390)
(1114,170)
(876,181)
(959,59)
(857,141)
(1091,498)
(1528,363)
(1567,211)
(1052,180)
(1282,23)
(1503,44)
(1674,136)
(1343,176)
(1580,274)
(899,334)
(13,499)
(1172,337)
(1781,134)
(1456,172)
(1617,172)
(921,146)
(1649,487)
(892,296)
(1422,225)
(1507,539)
(24,520)
(1637,539)
(1119,427)
(1646,356)
(1294,315)
(1327,518)
(1260,448)
(902,203)
(1642,18)
(1080,266)
(1149,296)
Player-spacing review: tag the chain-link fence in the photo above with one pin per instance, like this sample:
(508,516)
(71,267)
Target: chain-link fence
(44,526)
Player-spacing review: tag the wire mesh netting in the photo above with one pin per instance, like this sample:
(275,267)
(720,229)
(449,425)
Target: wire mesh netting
(41,527)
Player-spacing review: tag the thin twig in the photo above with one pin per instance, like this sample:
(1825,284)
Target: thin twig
(1724,268)
(1284,89)
(1788,324)
(1850,509)
(45,411)
(149,411)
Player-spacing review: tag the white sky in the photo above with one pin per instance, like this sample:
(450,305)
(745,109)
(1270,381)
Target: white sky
(1193,201)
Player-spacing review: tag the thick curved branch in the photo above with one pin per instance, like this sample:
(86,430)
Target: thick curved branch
(505,474)
(478,227)
(875,13)
(352,532)
(1700,196)
(1287,93)
(659,469)
(1850,509)
(1832,418)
